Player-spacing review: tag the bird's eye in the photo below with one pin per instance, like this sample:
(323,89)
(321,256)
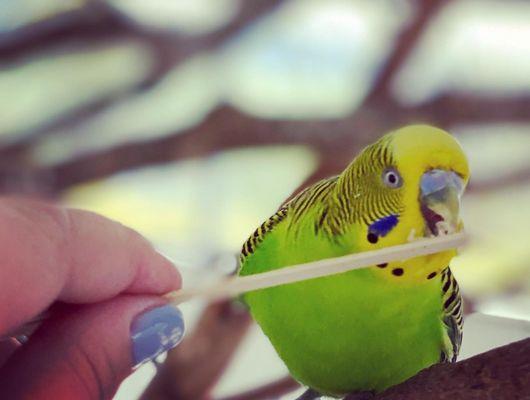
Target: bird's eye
(391,178)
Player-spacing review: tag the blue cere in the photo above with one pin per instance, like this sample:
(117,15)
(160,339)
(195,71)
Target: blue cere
(382,226)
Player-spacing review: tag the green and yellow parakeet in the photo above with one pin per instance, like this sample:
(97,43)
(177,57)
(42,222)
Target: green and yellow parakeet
(367,329)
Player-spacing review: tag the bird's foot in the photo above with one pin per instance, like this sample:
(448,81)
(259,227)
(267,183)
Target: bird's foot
(309,394)
(367,395)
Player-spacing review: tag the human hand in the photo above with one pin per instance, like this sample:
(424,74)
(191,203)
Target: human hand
(103,282)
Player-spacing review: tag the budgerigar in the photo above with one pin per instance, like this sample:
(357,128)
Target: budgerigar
(367,329)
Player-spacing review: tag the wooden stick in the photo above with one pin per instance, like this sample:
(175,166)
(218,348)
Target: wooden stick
(235,286)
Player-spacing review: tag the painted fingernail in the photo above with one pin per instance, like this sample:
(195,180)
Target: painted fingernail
(155,332)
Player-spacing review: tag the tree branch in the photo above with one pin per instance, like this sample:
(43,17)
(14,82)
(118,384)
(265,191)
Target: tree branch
(425,10)
(453,109)
(94,20)
(501,373)
(335,141)
(98,21)
(225,128)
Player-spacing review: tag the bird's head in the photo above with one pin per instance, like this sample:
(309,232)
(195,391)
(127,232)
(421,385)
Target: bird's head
(433,171)
(410,179)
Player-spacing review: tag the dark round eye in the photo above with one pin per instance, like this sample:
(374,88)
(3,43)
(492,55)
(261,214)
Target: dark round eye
(391,178)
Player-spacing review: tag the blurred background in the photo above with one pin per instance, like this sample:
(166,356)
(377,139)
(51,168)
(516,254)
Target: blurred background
(193,120)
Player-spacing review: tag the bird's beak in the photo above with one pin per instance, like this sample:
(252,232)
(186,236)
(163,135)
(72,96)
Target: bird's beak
(440,193)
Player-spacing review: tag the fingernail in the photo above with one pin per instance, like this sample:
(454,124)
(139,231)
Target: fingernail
(155,332)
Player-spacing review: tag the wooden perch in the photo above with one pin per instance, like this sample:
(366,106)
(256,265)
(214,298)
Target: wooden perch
(499,374)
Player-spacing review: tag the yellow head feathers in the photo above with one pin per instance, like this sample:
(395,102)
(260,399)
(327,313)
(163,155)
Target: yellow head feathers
(410,180)
(419,148)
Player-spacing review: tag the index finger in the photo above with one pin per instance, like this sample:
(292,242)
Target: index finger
(49,253)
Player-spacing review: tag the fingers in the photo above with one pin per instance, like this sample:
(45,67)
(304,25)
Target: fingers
(87,353)
(51,254)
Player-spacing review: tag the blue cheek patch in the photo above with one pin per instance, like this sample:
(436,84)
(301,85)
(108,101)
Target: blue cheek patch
(383,226)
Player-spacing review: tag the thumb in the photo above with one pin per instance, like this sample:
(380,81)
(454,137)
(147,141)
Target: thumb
(84,352)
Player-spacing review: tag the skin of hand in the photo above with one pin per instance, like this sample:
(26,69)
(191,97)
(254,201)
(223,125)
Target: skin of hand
(103,284)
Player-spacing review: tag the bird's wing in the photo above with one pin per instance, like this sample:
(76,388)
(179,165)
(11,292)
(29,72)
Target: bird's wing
(259,234)
(452,317)
(295,208)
